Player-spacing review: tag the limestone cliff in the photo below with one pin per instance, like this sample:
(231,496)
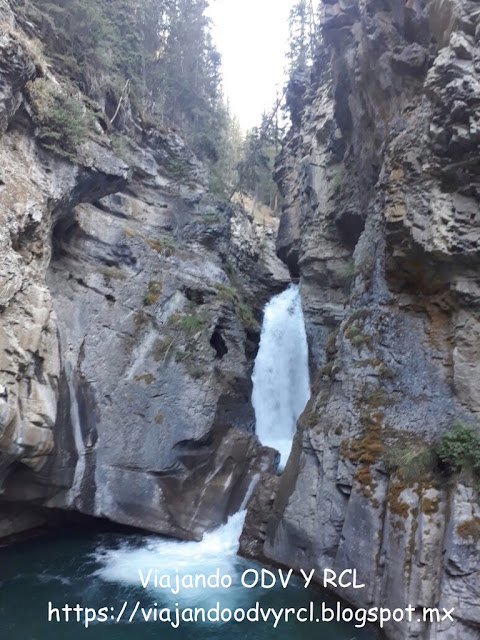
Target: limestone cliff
(129,301)
(381,222)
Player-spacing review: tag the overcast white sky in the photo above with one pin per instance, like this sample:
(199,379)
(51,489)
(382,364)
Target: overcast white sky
(251,35)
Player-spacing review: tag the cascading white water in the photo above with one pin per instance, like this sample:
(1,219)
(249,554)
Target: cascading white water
(281,385)
(280,391)
(217,550)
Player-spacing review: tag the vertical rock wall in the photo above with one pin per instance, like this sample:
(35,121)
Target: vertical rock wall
(381,222)
(129,301)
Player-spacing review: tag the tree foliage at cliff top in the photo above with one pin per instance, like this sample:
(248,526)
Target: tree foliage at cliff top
(304,35)
(162,47)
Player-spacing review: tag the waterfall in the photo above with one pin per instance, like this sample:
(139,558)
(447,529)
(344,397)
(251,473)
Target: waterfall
(280,392)
(281,385)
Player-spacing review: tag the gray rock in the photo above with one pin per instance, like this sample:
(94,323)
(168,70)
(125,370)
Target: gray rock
(381,206)
(129,307)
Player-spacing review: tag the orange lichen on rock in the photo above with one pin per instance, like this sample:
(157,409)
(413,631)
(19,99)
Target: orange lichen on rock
(397,506)
(470,529)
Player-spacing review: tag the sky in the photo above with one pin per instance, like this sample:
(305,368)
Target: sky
(251,36)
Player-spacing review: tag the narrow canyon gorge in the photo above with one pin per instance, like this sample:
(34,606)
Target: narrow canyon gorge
(132,300)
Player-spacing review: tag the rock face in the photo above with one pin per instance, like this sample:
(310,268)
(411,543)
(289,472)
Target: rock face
(380,178)
(128,306)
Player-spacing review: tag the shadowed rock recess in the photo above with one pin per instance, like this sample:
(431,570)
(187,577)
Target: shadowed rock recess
(380,174)
(129,301)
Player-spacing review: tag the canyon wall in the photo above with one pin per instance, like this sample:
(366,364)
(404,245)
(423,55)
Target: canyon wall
(129,307)
(381,223)
(130,301)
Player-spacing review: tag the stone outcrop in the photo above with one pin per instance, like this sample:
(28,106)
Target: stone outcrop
(380,181)
(129,302)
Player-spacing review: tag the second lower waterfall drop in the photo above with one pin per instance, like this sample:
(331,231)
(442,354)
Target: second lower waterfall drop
(281,382)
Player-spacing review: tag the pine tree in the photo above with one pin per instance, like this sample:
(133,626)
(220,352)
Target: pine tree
(303,36)
(161,51)
(255,170)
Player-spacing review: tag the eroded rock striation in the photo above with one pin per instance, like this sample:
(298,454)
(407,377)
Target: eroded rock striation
(381,222)
(129,301)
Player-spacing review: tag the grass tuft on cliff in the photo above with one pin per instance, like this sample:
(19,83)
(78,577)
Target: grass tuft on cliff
(188,323)
(456,454)
(64,122)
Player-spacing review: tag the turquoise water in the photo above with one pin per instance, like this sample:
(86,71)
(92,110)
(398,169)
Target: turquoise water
(101,570)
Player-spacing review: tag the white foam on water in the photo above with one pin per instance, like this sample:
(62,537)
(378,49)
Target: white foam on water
(217,551)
